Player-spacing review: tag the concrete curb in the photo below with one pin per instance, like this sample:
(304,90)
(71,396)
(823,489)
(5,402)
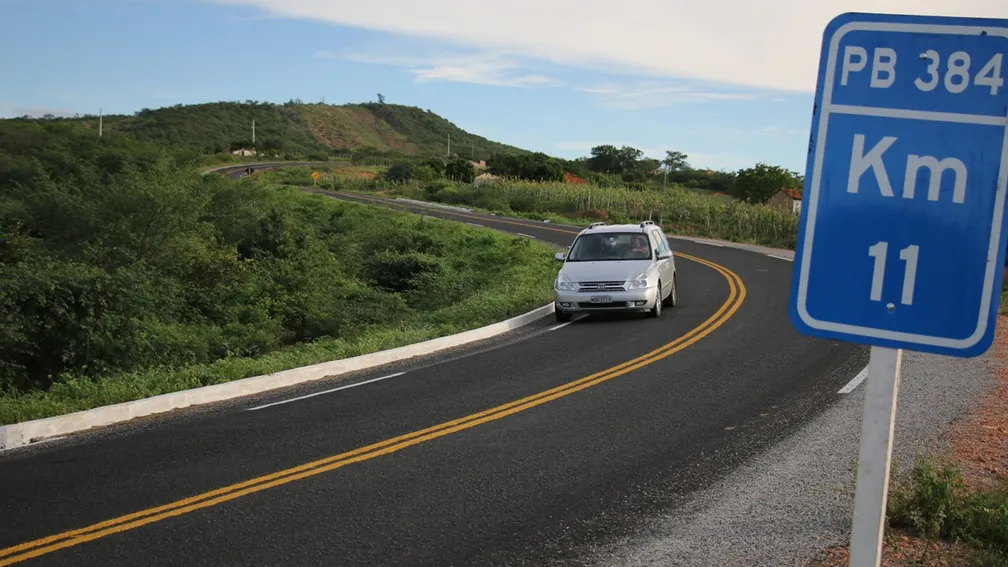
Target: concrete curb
(27,432)
(434,205)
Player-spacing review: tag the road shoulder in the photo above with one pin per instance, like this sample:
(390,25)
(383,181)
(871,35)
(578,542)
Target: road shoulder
(976,445)
(792,505)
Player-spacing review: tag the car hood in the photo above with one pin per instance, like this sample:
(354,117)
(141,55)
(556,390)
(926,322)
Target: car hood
(611,271)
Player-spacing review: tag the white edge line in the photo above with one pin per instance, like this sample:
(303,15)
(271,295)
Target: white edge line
(786,259)
(329,391)
(855,381)
(562,325)
(474,224)
(525,235)
(33,431)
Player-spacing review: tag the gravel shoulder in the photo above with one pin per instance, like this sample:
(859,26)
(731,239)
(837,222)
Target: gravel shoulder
(794,502)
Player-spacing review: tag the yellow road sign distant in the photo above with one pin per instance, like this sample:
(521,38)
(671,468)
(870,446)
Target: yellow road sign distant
(315,175)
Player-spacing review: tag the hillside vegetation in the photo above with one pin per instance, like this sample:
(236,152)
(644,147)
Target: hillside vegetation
(297,130)
(125,274)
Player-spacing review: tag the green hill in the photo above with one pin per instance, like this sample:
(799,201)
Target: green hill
(297,130)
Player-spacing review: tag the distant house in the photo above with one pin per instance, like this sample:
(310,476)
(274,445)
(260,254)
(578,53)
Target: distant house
(788,199)
(481,164)
(243,153)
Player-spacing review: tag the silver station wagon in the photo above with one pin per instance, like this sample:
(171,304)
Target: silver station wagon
(621,267)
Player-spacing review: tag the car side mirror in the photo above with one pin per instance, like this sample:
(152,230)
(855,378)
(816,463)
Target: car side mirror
(659,255)
(560,256)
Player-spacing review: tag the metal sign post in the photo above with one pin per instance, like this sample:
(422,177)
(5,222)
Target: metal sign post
(901,240)
(875,456)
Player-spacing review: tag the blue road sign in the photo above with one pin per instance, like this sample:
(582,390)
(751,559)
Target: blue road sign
(901,241)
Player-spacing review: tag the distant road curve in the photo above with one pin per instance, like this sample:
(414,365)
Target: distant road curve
(236,171)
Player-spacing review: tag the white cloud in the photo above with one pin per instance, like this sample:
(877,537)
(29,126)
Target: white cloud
(654,95)
(486,68)
(576,146)
(769,44)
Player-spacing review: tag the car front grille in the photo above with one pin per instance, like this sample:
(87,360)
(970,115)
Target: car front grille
(600,287)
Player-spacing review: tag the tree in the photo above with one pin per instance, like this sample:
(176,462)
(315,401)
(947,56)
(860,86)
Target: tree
(400,172)
(436,164)
(760,183)
(610,159)
(532,167)
(460,169)
(381,98)
(425,174)
(675,161)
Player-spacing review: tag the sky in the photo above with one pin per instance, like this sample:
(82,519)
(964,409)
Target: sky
(728,82)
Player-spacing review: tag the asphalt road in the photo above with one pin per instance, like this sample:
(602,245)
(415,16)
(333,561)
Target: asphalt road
(519,450)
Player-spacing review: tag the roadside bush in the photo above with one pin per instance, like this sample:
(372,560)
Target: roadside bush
(433,188)
(136,264)
(397,271)
(934,502)
(400,172)
(491,203)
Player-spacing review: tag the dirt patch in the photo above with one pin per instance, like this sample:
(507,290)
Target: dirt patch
(593,214)
(979,441)
(901,550)
(575,179)
(355,173)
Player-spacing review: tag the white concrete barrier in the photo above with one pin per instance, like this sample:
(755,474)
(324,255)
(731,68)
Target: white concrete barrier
(24,433)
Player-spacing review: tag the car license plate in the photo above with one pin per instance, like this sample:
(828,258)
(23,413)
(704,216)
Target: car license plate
(601,299)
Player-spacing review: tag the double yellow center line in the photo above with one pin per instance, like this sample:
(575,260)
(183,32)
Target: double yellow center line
(45,545)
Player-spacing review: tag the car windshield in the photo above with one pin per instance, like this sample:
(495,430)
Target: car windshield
(607,246)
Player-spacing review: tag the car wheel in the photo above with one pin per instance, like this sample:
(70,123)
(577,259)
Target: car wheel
(672,300)
(656,310)
(562,316)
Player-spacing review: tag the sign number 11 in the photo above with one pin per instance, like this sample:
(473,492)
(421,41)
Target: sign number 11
(908,255)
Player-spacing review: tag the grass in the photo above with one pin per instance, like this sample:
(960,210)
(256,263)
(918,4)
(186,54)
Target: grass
(515,287)
(353,127)
(680,210)
(933,502)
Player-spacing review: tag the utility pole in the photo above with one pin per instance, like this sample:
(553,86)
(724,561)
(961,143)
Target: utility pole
(449,145)
(100,123)
(253,132)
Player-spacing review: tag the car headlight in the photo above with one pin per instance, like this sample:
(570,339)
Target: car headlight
(563,283)
(640,282)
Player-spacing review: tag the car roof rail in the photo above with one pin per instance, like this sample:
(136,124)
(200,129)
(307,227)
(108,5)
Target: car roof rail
(595,224)
(646,223)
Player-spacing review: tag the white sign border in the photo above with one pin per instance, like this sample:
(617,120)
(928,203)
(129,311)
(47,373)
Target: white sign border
(814,187)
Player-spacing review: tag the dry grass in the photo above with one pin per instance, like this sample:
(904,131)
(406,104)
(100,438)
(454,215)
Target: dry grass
(350,127)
